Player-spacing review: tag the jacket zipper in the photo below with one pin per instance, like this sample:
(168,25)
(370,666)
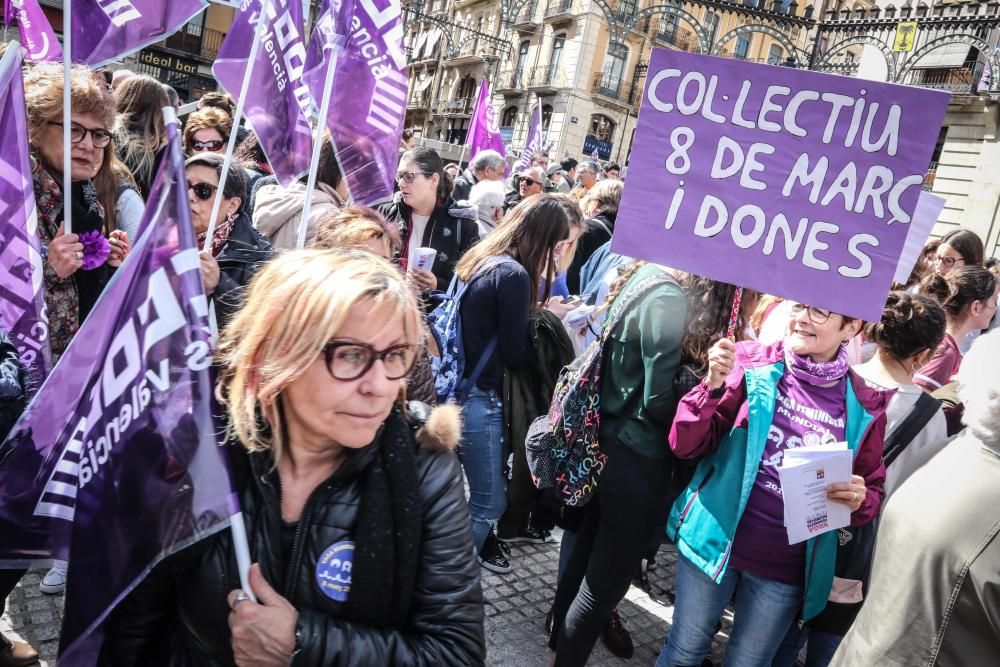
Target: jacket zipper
(298,542)
(694,496)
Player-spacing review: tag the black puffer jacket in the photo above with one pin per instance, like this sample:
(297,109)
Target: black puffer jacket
(243,255)
(178,615)
(13,393)
(451,230)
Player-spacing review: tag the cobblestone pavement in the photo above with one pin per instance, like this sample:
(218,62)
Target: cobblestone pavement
(516,606)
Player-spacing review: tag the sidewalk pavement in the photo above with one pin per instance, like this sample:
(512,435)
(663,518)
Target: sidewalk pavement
(516,607)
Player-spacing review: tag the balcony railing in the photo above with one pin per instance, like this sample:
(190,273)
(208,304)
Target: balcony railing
(928,183)
(196,40)
(526,16)
(560,9)
(512,80)
(611,87)
(547,76)
(681,38)
(462,105)
(958,80)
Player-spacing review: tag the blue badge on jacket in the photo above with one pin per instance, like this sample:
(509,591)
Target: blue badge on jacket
(333,571)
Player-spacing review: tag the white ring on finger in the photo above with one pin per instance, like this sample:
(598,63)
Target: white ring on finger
(854,497)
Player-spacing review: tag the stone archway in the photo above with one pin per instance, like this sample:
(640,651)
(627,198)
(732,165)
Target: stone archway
(704,39)
(864,40)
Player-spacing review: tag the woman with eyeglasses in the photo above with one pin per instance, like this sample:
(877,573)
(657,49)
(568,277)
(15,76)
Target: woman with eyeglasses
(957,248)
(207,130)
(969,298)
(353,500)
(237,249)
(755,403)
(429,218)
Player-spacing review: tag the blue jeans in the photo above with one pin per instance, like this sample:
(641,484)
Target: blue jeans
(821,647)
(482,455)
(765,609)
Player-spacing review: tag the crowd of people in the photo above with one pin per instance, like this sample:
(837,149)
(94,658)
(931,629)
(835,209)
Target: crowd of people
(329,374)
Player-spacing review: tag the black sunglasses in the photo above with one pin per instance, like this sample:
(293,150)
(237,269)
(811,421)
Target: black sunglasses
(347,361)
(202,191)
(530,181)
(199,146)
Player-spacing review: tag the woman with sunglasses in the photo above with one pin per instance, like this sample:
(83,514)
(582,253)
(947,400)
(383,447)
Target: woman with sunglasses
(237,249)
(429,218)
(207,130)
(353,500)
(756,402)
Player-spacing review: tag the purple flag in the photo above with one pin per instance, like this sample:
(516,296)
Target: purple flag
(594,156)
(106,30)
(794,183)
(37,37)
(22,292)
(114,465)
(484,131)
(533,142)
(278,104)
(368,102)
(984,80)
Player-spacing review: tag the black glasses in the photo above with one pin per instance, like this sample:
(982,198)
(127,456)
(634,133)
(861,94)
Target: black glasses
(202,191)
(199,146)
(408,176)
(530,181)
(347,361)
(99,136)
(816,315)
(947,262)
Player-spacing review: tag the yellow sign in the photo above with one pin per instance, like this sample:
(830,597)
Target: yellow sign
(906,37)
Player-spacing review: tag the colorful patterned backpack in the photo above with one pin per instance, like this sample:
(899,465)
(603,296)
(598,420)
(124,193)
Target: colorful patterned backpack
(562,447)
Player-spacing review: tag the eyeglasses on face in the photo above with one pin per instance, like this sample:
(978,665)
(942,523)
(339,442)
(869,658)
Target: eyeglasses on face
(202,191)
(816,315)
(212,145)
(98,135)
(408,176)
(946,262)
(347,360)
(530,181)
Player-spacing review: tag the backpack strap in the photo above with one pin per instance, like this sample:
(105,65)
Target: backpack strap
(630,295)
(919,416)
(602,225)
(466,385)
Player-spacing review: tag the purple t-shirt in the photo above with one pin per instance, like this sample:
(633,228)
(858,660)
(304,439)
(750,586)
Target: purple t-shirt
(804,415)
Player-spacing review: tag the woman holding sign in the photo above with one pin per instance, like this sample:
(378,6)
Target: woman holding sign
(756,402)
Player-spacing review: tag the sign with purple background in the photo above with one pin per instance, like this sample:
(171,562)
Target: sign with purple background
(114,465)
(484,132)
(790,182)
(22,290)
(368,104)
(278,104)
(533,142)
(37,37)
(106,30)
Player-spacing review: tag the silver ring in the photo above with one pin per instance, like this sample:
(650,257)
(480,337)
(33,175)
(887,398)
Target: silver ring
(78,255)
(240,597)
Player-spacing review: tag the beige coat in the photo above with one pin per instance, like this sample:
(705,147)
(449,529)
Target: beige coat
(277,212)
(935,588)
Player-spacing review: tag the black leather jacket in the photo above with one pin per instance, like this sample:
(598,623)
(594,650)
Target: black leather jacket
(178,615)
(243,255)
(451,230)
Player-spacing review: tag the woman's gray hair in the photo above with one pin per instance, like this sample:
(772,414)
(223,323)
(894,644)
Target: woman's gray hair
(236,179)
(488,159)
(488,196)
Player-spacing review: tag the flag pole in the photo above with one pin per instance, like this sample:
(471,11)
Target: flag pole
(265,6)
(324,109)
(462,156)
(67,181)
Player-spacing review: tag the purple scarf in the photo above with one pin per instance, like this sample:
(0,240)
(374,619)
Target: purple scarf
(817,373)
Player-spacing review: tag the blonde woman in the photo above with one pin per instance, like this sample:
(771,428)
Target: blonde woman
(358,227)
(140,134)
(354,508)
(601,211)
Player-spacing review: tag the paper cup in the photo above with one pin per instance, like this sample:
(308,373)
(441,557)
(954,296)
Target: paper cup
(424,258)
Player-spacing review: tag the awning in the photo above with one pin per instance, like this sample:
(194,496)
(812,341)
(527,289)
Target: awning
(418,47)
(945,57)
(422,84)
(432,39)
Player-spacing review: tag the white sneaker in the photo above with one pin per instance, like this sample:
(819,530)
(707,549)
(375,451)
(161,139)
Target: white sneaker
(54,581)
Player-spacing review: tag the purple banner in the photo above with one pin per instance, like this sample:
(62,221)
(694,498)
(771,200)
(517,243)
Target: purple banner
(533,142)
(115,465)
(22,291)
(106,30)
(794,183)
(37,36)
(368,103)
(484,131)
(278,104)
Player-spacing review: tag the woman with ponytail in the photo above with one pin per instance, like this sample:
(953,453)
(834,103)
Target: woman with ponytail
(969,298)
(428,217)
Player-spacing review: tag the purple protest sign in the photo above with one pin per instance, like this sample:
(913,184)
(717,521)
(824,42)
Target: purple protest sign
(22,291)
(106,30)
(278,104)
(114,465)
(533,142)
(484,131)
(368,102)
(39,40)
(794,183)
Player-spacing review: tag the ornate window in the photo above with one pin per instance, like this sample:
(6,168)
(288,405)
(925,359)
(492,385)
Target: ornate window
(602,128)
